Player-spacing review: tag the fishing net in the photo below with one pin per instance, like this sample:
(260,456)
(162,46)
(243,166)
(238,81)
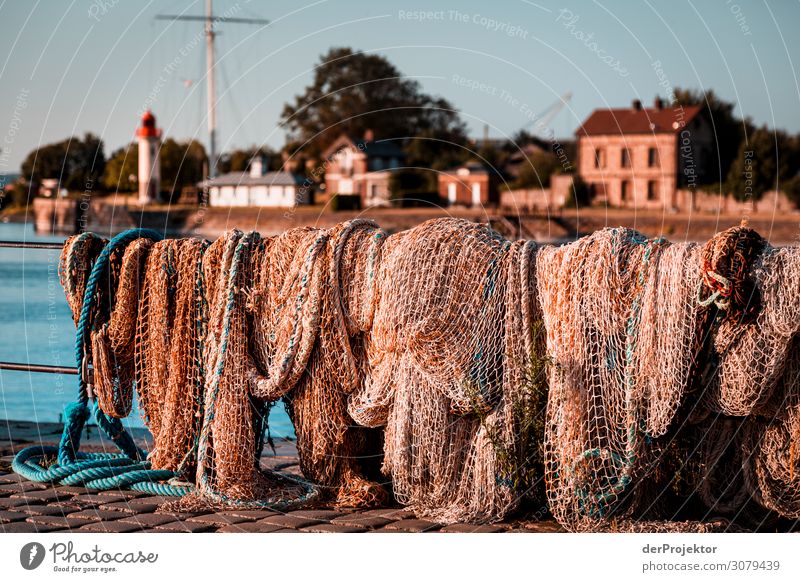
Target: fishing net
(620,376)
(757,358)
(622,321)
(447,356)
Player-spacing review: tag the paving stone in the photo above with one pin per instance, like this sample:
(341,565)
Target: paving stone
(217,519)
(43,495)
(97,498)
(70,506)
(96,515)
(7,478)
(277,463)
(26,527)
(185,527)
(148,519)
(180,515)
(21,487)
(392,514)
(109,527)
(290,521)
(8,502)
(470,528)
(9,516)
(318,514)
(549,526)
(148,500)
(126,508)
(365,521)
(120,494)
(73,490)
(249,527)
(56,521)
(251,514)
(333,528)
(413,525)
(43,509)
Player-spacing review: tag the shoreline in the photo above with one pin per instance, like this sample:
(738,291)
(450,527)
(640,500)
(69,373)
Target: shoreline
(111,216)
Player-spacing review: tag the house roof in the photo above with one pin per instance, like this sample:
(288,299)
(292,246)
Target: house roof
(245,179)
(630,120)
(382,148)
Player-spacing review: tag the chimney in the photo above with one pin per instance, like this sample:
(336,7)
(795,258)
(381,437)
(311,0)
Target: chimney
(636,105)
(369,135)
(258,166)
(658,103)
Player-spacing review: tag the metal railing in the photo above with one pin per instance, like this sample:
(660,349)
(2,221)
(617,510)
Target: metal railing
(21,367)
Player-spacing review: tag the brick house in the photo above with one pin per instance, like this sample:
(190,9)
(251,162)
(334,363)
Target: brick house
(639,157)
(468,185)
(361,167)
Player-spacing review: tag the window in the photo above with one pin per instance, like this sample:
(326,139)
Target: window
(652,190)
(625,193)
(652,157)
(625,162)
(599,158)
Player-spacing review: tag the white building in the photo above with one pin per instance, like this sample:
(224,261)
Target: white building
(257,188)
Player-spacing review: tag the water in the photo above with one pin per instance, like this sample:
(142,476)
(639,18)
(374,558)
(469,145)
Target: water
(36,327)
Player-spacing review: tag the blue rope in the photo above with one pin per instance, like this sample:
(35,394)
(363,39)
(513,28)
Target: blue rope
(130,468)
(97,471)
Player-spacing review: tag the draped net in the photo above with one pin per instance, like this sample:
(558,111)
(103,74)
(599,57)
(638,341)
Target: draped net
(460,372)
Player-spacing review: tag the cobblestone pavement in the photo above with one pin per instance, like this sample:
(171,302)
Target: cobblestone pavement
(34,507)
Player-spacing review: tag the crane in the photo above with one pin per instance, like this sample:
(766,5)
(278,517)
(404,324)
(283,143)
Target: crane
(542,121)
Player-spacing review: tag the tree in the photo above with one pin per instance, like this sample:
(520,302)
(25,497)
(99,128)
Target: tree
(77,164)
(239,160)
(120,168)
(536,172)
(353,92)
(766,160)
(729,131)
(181,165)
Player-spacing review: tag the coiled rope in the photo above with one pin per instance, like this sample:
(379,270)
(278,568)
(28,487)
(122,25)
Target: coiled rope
(97,471)
(130,468)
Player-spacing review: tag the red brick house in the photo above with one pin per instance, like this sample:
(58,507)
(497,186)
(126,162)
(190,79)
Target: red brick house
(639,157)
(361,167)
(468,185)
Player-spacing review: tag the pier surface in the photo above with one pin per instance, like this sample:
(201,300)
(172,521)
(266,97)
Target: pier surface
(27,507)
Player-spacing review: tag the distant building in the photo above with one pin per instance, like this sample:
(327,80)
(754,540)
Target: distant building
(51,188)
(639,157)
(361,167)
(256,188)
(149,137)
(469,185)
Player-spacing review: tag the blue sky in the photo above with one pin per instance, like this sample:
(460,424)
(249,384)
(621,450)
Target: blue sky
(67,67)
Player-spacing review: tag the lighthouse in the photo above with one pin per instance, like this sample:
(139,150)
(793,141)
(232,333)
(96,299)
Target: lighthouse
(149,171)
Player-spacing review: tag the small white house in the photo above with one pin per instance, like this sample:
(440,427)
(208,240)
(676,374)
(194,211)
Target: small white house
(257,188)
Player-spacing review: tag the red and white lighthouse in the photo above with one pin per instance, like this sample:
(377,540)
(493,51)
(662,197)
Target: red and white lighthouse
(149,168)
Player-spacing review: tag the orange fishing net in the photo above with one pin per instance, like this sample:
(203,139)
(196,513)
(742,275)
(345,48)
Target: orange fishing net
(478,371)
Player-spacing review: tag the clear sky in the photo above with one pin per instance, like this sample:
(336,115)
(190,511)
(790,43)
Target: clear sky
(71,66)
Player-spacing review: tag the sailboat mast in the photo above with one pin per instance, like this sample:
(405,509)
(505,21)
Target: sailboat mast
(212,93)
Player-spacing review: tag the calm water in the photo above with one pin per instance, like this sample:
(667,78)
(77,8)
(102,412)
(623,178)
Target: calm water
(36,326)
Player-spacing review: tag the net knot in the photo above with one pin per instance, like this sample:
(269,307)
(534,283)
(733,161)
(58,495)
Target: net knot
(728,260)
